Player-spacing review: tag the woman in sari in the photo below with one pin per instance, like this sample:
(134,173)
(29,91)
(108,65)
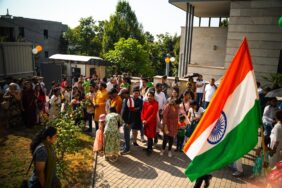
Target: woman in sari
(29,105)
(13,107)
(55,103)
(111,133)
(40,102)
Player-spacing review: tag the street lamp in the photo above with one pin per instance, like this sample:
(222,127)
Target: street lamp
(168,59)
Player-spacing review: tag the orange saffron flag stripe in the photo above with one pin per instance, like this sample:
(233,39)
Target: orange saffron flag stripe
(237,71)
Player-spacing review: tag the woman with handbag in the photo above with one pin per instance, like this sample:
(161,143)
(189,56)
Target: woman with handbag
(44,159)
(185,105)
(194,114)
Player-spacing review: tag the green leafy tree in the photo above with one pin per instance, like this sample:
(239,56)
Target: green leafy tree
(158,50)
(122,24)
(85,39)
(224,23)
(130,56)
(68,131)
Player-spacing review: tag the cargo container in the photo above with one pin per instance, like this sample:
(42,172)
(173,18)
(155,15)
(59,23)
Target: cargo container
(16,59)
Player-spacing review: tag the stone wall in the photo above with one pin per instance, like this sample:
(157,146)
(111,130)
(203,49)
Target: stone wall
(208,46)
(258,21)
(208,51)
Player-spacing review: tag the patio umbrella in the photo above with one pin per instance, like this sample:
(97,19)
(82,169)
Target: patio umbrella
(274,93)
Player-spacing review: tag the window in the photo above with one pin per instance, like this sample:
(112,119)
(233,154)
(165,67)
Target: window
(45,34)
(46,54)
(204,22)
(21,32)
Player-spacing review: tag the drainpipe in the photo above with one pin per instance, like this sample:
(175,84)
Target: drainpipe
(185,43)
(4,60)
(191,35)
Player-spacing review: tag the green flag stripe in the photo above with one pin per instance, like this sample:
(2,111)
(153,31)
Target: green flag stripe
(238,142)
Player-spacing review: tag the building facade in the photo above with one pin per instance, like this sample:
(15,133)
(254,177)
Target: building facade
(212,49)
(38,32)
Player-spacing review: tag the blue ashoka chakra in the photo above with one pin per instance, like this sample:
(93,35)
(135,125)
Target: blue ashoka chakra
(218,130)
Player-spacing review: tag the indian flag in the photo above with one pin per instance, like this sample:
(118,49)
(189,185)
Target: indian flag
(229,126)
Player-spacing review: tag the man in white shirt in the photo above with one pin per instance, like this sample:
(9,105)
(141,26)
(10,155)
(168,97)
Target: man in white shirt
(200,85)
(276,141)
(110,84)
(161,99)
(268,119)
(209,92)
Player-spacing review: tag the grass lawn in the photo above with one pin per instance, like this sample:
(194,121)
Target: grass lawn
(15,158)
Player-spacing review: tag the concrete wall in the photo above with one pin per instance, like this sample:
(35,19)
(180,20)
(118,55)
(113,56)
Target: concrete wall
(258,21)
(208,46)
(34,33)
(208,51)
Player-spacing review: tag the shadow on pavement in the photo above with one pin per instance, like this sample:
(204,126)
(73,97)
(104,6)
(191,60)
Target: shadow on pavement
(226,173)
(163,163)
(135,169)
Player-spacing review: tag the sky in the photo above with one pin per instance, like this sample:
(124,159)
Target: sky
(156,16)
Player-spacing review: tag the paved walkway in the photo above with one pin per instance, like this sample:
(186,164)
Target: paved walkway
(139,170)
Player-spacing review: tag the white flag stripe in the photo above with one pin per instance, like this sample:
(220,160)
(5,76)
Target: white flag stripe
(236,107)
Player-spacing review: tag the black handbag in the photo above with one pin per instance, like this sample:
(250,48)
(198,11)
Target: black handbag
(24,183)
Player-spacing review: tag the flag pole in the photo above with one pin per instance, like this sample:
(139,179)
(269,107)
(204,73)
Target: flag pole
(264,151)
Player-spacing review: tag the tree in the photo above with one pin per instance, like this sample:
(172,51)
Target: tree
(130,56)
(158,50)
(123,24)
(224,23)
(86,38)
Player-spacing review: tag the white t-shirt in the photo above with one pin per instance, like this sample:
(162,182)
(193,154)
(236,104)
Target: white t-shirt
(161,99)
(269,114)
(210,90)
(195,114)
(276,135)
(201,88)
(55,100)
(109,86)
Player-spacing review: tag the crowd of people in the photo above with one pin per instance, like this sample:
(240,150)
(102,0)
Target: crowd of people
(156,111)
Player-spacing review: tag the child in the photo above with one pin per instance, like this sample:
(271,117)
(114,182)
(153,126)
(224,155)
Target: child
(181,132)
(99,140)
(77,114)
(75,103)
